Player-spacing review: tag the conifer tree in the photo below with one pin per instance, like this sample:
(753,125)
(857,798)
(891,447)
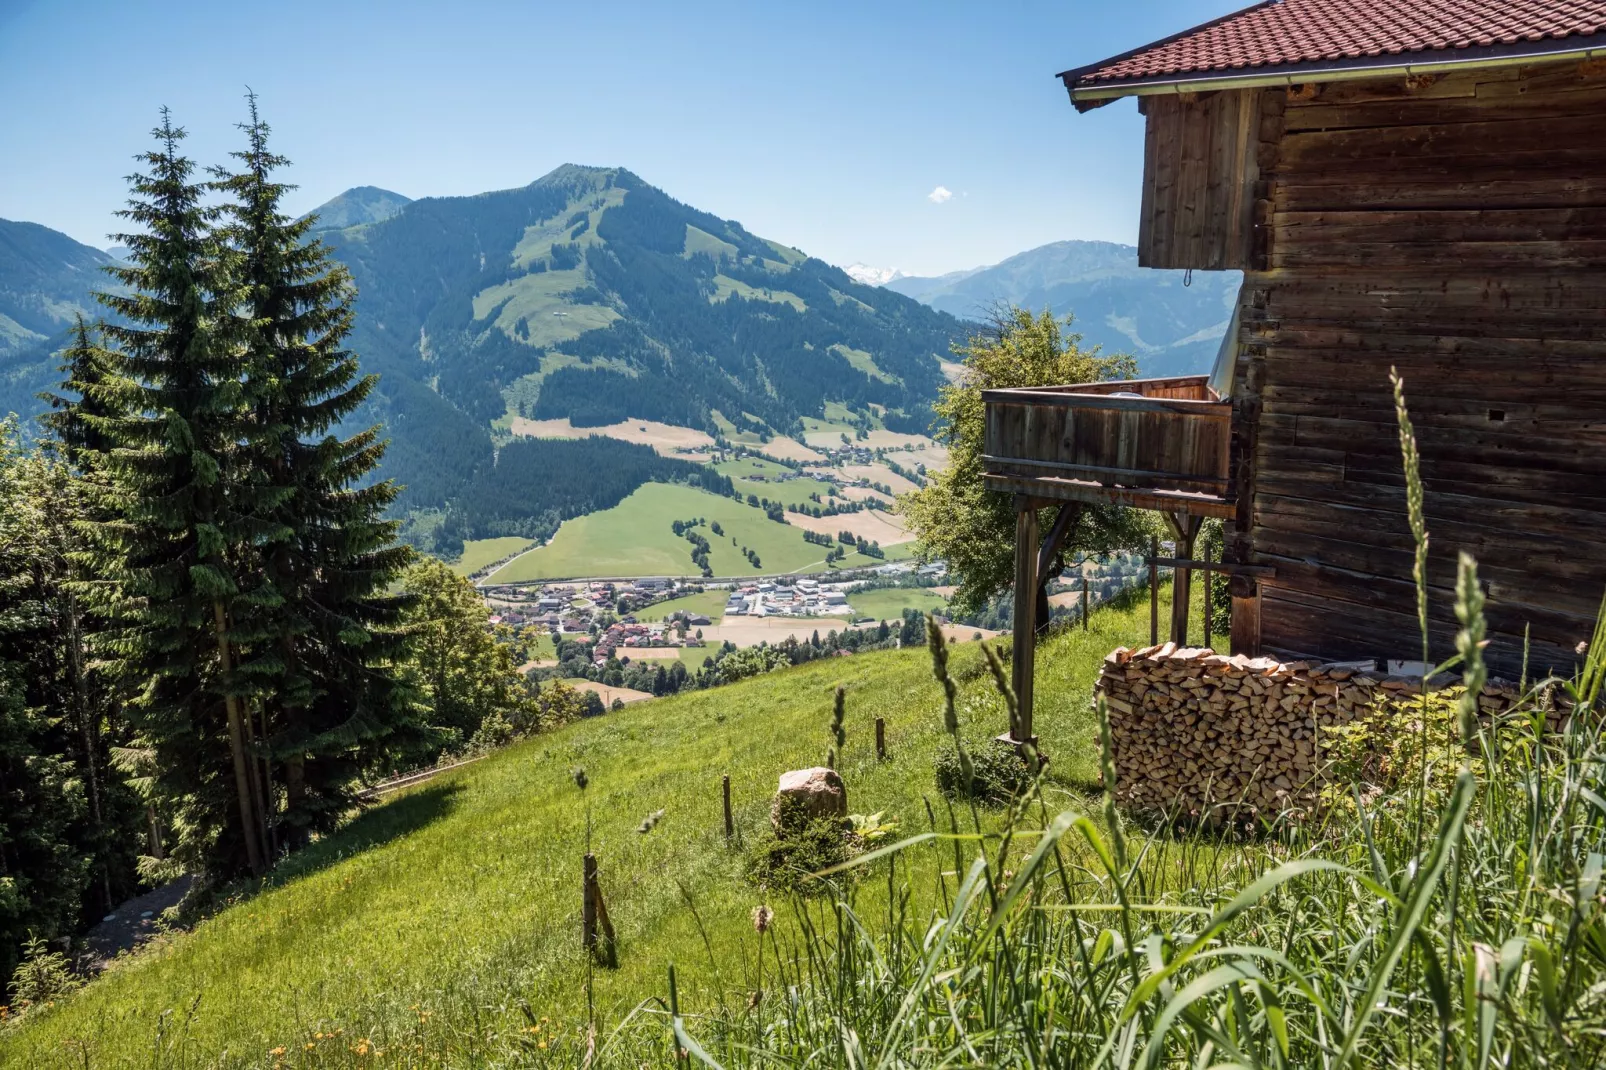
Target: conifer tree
(89,371)
(167,584)
(326,658)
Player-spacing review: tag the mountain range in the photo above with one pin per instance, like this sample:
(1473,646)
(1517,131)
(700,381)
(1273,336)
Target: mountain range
(592,296)
(1170,320)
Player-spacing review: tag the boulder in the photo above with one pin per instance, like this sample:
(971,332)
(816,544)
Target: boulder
(806,795)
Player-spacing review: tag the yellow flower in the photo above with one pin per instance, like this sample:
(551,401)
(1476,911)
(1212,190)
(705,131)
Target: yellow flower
(276,1051)
(542,1045)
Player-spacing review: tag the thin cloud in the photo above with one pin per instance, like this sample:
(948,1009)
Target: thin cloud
(940,195)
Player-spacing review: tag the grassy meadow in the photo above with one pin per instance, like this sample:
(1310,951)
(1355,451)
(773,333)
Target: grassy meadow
(888,603)
(478,553)
(442,927)
(634,539)
(707,603)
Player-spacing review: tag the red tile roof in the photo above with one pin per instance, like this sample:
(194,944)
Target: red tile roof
(1282,32)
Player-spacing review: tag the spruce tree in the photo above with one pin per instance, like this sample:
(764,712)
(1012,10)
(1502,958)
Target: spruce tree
(89,372)
(326,657)
(168,583)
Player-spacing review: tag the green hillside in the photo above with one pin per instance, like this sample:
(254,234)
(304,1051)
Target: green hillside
(593,296)
(426,927)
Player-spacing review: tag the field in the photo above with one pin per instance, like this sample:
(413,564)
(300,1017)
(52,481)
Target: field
(418,935)
(888,603)
(634,539)
(668,439)
(790,492)
(478,553)
(708,603)
(690,656)
(875,525)
(607,693)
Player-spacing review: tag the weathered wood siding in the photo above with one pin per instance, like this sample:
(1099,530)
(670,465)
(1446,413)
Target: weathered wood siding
(1455,229)
(1199,174)
(1154,442)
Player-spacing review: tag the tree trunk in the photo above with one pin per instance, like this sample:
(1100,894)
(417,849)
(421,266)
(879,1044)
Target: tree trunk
(242,772)
(87,728)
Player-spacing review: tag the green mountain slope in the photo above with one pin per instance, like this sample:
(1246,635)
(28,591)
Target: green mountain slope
(1172,326)
(592,296)
(432,920)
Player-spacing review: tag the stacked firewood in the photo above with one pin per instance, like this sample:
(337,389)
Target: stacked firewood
(1196,733)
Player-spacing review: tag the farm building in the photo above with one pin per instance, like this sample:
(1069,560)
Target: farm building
(1410,184)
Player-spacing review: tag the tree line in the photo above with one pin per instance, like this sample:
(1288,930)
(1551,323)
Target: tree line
(209,636)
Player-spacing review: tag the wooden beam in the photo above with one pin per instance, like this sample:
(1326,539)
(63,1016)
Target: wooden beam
(1025,637)
(1048,488)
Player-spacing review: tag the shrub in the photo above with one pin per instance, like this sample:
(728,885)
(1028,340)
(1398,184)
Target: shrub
(999,774)
(788,862)
(42,976)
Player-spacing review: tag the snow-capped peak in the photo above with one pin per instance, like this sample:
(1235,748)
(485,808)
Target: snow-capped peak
(873,276)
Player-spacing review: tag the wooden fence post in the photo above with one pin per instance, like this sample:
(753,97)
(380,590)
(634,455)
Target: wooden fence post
(597,929)
(880,739)
(725,788)
(588,904)
(1205,574)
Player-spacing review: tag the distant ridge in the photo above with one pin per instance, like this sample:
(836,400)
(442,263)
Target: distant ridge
(1173,326)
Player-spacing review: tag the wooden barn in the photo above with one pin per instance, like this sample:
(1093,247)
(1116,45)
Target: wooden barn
(1410,184)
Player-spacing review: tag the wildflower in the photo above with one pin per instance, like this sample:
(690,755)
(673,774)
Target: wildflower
(542,1045)
(276,1051)
(311,1045)
(761,919)
(362,1047)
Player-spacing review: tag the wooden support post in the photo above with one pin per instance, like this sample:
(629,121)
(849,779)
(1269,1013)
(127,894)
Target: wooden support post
(1084,598)
(1205,574)
(1154,592)
(880,739)
(725,788)
(1186,528)
(1025,639)
(1245,616)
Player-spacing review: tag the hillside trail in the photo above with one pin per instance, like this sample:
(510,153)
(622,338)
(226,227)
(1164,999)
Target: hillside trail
(131,924)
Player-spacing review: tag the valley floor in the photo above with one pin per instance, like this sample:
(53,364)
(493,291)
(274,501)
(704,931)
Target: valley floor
(442,927)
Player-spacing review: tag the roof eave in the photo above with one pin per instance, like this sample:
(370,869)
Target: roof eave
(1086,97)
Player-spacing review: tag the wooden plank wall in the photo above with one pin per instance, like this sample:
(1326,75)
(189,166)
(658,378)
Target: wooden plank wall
(1199,174)
(1455,228)
(1139,442)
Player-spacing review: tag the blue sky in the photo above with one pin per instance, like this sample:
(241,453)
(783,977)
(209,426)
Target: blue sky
(824,125)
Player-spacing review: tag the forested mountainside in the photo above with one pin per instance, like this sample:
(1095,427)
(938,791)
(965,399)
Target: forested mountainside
(592,295)
(45,280)
(1171,323)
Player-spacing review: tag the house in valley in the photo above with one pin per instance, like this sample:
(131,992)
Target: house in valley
(1405,184)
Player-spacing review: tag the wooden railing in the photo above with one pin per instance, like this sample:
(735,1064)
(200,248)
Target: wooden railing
(1167,435)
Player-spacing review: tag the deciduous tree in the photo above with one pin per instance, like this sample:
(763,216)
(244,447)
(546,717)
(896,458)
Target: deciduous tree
(960,521)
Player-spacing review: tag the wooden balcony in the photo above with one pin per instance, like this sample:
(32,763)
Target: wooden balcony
(1160,444)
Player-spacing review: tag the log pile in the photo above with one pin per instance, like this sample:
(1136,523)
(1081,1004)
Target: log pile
(1198,733)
